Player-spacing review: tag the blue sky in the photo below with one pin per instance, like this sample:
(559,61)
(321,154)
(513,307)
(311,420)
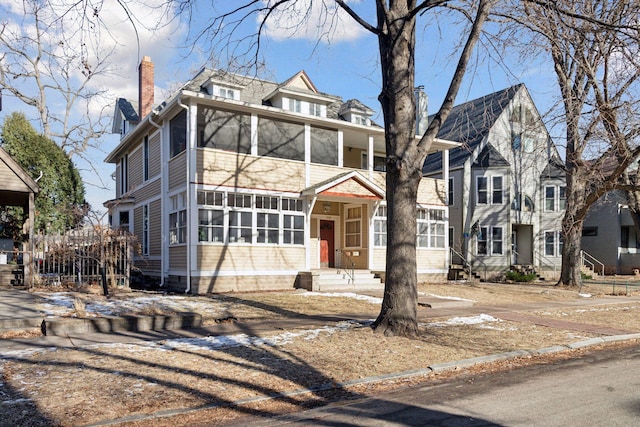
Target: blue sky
(344,63)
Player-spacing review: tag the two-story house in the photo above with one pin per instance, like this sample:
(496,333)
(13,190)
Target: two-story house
(239,183)
(506,193)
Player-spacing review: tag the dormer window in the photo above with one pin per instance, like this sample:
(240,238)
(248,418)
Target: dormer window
(315,109)
(227,93)
(360,120)
(222,89)
(295,105)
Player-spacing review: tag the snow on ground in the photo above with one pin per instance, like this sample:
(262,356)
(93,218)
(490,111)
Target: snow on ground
(62,303)
(367,298)
(468,320)
(447,297)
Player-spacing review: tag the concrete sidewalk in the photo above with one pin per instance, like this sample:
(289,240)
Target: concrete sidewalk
(18,311)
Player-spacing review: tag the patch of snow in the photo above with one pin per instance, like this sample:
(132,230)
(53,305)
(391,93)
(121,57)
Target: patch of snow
(367,298)
(585,295)
(469,320)
(445,297)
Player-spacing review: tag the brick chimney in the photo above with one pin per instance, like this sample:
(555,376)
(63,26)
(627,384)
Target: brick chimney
(145,87)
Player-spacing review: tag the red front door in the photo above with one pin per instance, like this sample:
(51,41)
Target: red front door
(327,244)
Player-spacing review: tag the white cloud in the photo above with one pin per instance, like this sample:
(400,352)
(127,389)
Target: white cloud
(311,20)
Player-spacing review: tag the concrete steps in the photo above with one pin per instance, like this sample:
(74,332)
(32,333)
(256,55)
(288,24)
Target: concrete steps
(338,280)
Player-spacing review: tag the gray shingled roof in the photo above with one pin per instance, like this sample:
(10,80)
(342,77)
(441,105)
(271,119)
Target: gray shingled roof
(469,124)
(128,110)
(254,90)
(488,157)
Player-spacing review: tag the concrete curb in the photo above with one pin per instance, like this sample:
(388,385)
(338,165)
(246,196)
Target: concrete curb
(432,369)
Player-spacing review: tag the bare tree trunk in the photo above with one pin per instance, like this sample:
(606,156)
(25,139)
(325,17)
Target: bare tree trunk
(570,274)
(398,315)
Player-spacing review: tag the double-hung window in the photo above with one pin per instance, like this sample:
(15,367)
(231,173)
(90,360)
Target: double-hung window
(240,218)
(293,222)
(210,216)
(553,243)
(489,191)
(431,228)
(555,198)
(178,219)
(295,105)
(482,188)
(267,219)
(353,226)
(380,227)
(490,241)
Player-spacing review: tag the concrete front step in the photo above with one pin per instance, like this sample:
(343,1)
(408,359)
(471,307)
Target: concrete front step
(339,280)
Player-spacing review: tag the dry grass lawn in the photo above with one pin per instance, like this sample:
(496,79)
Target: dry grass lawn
(108,382)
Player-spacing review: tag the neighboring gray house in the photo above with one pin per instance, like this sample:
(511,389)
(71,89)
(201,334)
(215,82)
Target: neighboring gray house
(610,236)
(506,192)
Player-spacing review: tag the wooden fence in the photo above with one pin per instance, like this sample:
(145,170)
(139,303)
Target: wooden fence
(80,257)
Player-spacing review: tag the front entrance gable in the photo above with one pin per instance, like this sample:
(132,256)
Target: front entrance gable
(347,185)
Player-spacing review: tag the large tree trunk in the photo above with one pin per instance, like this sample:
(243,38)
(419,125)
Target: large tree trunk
(572,223)
(398,315)
(571,252)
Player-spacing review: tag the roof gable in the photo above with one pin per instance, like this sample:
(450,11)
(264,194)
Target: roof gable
(489,157)
(469,124)
(350,184)
(14,177)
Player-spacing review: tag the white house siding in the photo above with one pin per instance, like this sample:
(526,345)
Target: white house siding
(491,215)
(548,221)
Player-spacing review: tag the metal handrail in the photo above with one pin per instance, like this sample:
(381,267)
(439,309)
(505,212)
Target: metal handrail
(347,264)
(541,260)
(592,263)
(467,264)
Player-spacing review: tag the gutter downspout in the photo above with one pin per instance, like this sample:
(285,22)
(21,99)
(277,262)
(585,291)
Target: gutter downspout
(162,219)
(188,160)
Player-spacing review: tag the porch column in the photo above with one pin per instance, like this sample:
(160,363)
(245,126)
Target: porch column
(307,155)
(370,155)
(340,148)
(310,203)
(445,176)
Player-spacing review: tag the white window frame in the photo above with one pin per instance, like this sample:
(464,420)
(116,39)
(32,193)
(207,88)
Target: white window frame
(315,109)
(487,233)
(556,244)
(356,220)
(559,198)
(178,219)
(292,212)
(267,209)
(289,211)
(295,105)
(493,241)
(490,189)
(380,227)
(145,230)
(210,203)
(429,220)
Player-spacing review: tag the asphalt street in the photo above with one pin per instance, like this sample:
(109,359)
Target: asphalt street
(599,389)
